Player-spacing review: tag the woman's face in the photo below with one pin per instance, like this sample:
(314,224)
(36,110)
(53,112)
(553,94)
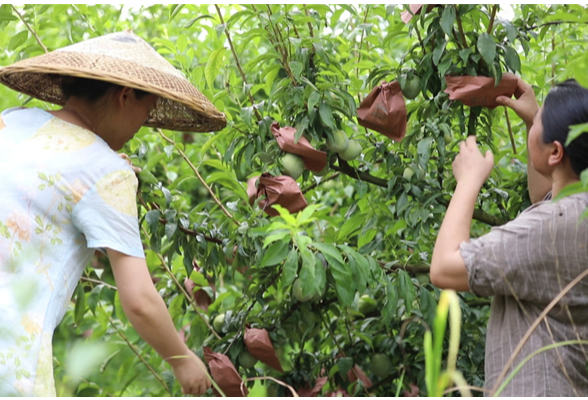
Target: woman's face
(132,117)
(538,150)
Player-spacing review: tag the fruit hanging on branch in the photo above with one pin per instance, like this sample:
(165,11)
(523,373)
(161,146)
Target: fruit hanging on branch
(339,142)
(293,165)
(352,151)
(380,365)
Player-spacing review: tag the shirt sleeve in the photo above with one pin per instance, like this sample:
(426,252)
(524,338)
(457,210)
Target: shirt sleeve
(515,259)
(107,214)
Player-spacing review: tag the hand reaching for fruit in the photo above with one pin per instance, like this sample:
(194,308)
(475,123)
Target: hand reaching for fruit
(470,165)
(127,158)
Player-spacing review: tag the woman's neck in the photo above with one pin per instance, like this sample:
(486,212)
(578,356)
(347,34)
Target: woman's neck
(561,178)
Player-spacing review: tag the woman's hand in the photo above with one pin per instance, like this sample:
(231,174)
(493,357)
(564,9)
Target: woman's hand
(191,374)
(525,105)
(127,159)
(470,165)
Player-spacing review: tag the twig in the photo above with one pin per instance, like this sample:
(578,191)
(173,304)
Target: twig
(512,141)
(84,17)
(367,9)
(181,287)
(257,114)
(535,325)
(309,188)
(460,27)
(99,282)
(309,24)
(261,378)
(492,16)
(185,157)
(138,353)
(457,388)
(30,29)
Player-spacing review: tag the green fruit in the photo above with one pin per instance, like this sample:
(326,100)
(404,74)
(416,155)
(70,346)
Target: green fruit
(218,322)
(412,87)
(247,360)
(322,172)
(293,165)
(366,304)
(339,143)
(423,278)
(380,365)
(297,290)
(352,151)
(408,173)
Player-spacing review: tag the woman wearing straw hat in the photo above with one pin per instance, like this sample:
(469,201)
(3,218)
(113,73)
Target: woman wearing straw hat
(66,193)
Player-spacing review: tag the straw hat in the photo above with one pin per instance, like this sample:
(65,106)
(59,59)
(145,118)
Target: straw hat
(125,59)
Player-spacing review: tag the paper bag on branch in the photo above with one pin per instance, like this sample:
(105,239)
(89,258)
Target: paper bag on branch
(224,374)
(314,160)
(260,346)
(314,391)
(281,190)
(479,90)
(416,9)
(384,111)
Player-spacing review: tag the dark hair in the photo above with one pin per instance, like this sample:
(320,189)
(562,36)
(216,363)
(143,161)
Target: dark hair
(567,105)
(90,89)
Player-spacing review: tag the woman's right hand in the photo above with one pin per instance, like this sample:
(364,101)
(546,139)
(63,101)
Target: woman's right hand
(525,105)
(191,374)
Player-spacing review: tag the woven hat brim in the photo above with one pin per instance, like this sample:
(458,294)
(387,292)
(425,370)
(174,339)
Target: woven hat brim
(180,106)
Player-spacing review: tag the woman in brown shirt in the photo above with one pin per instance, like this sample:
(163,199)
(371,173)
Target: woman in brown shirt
(525,263)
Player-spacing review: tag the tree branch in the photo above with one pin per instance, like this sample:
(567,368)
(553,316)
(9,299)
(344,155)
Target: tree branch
(492,16)
(257,114)
(314,185)
(30,29)
(460,27)
(195,170)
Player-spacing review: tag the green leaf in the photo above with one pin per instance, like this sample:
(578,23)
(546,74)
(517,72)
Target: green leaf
(120,314)
(424,151)
(390,305)
(194,20)
(290,268)
(296,68)
(326,115)
(465,53)
(152,218)
(575,132)
(198,332)
(512,59)
(175,10)
(308,272)
(438,52)
(313,100)
(406,289)
(341,273)
(80,308)
(213,66)
(18,39)
(428,306)
(447,20)
(487,47)
(276,253)
(350,227)
(328,251)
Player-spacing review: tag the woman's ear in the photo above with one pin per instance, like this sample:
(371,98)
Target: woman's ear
(122,96)
(556,154)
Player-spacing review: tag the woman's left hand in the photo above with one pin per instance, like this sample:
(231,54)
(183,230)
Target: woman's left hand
(470,165)
(127,158)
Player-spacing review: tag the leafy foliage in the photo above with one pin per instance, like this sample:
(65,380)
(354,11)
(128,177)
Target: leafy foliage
(370,227)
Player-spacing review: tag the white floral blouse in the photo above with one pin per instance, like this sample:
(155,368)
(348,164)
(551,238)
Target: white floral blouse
(63,194)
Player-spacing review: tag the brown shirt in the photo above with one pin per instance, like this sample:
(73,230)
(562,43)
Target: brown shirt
(524,265)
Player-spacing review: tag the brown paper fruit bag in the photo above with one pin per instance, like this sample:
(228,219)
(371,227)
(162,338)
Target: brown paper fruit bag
(356,373)
(314,391)
(384,111)
(224,374)
(281,190)
(416,10)
(314,160)
(479,90)
(260,346)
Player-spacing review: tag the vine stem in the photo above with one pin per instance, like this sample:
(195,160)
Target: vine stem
(181,287)
(492,17)
(29,28)
(195,170)
(138,354)
(228,35)
(309,24)
(512,141)
(535,325)
(460,27)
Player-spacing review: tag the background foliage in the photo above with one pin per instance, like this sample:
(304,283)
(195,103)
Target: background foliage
(369,229)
